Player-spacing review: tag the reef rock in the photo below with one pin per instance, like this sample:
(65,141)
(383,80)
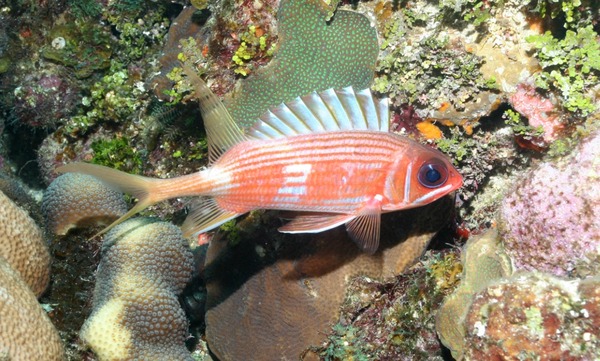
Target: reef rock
(535,316)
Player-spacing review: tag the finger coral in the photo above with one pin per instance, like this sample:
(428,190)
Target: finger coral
(23,246)
(73,200)
(551,220)
(26,332)
(136,315)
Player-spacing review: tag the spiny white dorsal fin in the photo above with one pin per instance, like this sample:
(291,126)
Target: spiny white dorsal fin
(328,111)
(205,215)
(221,130)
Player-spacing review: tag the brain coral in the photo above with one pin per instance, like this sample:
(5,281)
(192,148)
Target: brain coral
(75,199)
(315,52)
(136,315)
(26,332)
(551,220)
(22,244)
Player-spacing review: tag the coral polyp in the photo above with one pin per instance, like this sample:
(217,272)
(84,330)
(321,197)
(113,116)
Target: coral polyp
(75,200)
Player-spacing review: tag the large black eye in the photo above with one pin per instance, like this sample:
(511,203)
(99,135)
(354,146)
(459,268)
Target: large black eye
(432,174)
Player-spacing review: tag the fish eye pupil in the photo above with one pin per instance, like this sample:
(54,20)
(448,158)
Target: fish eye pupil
(432,174)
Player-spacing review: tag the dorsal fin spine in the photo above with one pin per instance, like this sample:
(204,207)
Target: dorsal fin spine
(221,130)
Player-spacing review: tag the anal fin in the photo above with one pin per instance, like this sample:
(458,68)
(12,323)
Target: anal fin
(205,215)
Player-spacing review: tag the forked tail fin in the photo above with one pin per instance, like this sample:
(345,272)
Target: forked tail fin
(142,188)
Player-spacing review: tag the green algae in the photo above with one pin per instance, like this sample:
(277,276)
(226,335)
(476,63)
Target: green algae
(313,54)
(571,67)
(117,153)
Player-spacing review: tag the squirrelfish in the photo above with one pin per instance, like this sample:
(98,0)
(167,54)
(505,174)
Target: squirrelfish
(328,155)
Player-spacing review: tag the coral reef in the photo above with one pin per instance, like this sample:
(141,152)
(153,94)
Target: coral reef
(136,315)
(264,283)
(76,200)
(23,246)
(556,206)
(534,316)
(26,333)
(84,46)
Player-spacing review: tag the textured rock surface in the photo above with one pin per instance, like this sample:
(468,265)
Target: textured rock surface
(537,317)
(484,261)
(551,219)
(288,297)
(26,332)
(73,200)
(136,315)
(22,244)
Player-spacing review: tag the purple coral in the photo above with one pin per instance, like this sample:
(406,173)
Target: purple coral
(551,220)
(44,102)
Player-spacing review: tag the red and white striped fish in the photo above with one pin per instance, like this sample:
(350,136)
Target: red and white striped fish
(329,154)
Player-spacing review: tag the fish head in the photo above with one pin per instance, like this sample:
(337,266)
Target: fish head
(419,176)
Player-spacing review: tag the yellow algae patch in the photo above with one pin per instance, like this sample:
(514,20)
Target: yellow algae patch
(429,130)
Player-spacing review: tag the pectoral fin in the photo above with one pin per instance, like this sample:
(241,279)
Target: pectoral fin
(315,223)
(365,228)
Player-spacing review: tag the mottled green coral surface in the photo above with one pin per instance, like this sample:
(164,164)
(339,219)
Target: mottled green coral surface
(314,54)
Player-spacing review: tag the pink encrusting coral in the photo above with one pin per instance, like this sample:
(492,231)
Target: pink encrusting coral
(551,220)
(539,111)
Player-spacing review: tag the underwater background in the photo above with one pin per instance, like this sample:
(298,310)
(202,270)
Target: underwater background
(505,269)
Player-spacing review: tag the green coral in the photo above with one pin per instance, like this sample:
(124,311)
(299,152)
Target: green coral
(313,54)
(471,11)
(457,146)
(571,67)
(576,13)
(117,153)
(113,98)
(119,93)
